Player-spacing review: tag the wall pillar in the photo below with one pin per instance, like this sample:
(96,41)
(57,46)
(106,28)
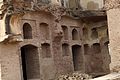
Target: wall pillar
(10,65)
(114,37)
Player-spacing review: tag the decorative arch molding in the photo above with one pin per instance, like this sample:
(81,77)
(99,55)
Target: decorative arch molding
(29,43)
(76,45)
(45,23)
(27,21)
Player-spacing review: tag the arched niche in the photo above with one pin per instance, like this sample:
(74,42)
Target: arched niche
(27,31)
(75,35)
(96,57)
(86,49)
(65,49)
(94,33)
(44,31)
(46,51)
(85,33)
(96,48)
(65,32)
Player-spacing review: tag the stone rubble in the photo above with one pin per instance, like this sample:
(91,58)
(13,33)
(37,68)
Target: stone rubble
(75,76)
(83,76)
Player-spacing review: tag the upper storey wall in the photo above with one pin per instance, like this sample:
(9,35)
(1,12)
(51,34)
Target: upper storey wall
(40,1)
(73,4)
(84,4)
(92,4)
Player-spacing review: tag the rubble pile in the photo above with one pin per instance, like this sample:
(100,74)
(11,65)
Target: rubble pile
(75,76)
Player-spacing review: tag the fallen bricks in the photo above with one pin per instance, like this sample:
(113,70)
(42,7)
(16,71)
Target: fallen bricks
(75,76)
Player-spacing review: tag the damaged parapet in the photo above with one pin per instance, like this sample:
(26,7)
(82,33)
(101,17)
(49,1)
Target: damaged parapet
(3,34)
(111,4)
(86,13)
(12,12)
(6,19)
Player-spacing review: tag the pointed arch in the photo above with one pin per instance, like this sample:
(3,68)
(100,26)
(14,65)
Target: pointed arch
(85,33)
(75,35)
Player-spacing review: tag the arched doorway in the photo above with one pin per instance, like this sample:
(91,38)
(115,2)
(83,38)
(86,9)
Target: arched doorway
(30,62)
(77,57)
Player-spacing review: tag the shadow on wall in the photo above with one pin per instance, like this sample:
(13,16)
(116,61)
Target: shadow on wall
(92,5)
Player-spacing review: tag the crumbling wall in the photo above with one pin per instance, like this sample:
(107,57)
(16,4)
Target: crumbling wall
(112,7)
(111,4)
(10,64)
(53,18)
(92,4)
(113,28)
(94,48)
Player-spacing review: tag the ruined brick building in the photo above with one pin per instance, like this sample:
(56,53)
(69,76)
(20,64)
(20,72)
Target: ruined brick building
(41,39)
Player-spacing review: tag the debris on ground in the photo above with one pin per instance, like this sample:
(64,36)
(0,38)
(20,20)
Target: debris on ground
(111,76)
(75,76)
